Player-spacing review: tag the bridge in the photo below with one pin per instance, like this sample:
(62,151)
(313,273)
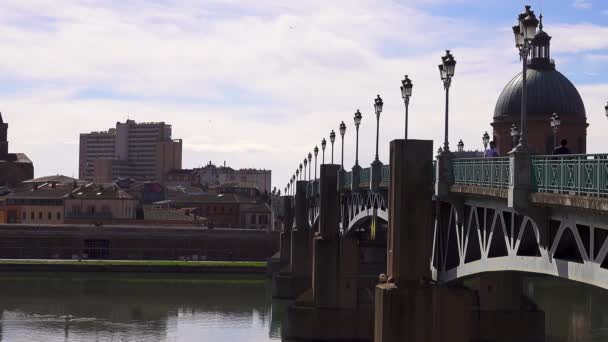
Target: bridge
(438,219)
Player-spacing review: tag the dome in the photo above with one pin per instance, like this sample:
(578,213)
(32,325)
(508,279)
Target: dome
(548,92)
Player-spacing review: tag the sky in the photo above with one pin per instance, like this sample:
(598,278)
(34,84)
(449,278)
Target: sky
(259,83)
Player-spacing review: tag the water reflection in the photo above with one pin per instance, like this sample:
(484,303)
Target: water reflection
(574,312)
(102,307)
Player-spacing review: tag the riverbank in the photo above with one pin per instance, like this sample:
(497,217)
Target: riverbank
(133,266)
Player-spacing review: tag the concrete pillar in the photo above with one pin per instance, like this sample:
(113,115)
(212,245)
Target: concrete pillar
(326,244)
(285,248)
(375,176)
(410,235)
(521,183)
(300,240)
(355,179)
(444,175)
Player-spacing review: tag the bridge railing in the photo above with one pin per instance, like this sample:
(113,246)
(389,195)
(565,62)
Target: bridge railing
(576,174)
(488,172)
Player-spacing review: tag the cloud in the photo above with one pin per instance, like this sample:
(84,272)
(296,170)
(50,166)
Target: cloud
(256,83)
(582,4)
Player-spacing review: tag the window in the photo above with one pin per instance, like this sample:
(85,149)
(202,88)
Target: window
(32,215)
(58,216)
(260,219)
(40,215)
(252,218)
(24,215)
(49,215)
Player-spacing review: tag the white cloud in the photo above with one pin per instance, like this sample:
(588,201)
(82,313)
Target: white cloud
(255,83)
(582,4)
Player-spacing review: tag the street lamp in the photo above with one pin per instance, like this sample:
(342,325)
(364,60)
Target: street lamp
(357,119)
(305,163)
(486,140)
(514,135)
(606,109)
(301,174)
(555,123)
(378,104)
(316,150)
(323,145)
(460,146)
(406,92)
(342,132)
(524,32)
(310,166)
(446,70)
(332,139)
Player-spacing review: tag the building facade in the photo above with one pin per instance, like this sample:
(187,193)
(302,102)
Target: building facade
(548,92)
(14,167)
(142,151)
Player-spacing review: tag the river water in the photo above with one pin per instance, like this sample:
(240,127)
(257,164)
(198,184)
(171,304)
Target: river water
(113,307)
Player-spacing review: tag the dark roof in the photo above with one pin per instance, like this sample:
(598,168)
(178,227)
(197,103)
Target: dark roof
(46,192)
(548,92)
(61,179)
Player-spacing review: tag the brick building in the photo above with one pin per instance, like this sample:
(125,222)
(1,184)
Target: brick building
(548,92)
(14,167)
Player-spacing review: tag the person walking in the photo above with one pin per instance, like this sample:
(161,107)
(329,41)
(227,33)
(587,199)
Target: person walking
(562,149)
(492,151)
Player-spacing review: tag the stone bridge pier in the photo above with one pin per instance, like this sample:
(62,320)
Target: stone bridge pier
(411,305)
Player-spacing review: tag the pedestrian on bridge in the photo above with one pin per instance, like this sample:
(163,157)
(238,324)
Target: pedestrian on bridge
(492,151)
(562,149)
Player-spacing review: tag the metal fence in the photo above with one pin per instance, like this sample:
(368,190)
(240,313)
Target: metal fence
(580,174)
(488,172)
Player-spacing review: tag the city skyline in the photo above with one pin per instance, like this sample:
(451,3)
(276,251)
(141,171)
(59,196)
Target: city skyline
(254,84)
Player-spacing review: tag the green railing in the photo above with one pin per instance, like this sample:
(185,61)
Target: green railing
(580,174)
(488,172)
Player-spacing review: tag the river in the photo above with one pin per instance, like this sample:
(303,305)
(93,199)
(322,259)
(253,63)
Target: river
(70,307)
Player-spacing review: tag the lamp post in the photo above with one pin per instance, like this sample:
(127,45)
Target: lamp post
(309,166)
(406,92)
(305,163)
(342,132)
(485,138)
(514,135)
(316,150)
(332,139)
(378,104)
(555,123)
(460,146)
(357,120)
(524,32)
(606,109)
(446,70)
(323,145)
(298,172)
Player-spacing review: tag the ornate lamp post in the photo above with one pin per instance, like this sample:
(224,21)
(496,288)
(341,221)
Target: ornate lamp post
(460,146)
(332,139)
(514,135)
(485,138)
(606,109)
(357,120)
(342,132)
(524,32)
(406,92)
(323,145)
(376,166)
(316,151)
(555,123)
(446,70)
(309,166)
(356,171)
(341,172)
(305,163)
(301,174)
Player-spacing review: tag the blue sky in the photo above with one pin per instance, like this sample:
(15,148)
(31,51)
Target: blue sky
(260,83)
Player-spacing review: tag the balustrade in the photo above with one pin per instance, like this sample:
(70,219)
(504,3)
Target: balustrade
(580,174)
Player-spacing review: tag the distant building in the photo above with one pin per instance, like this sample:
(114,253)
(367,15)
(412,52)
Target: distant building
(142,151)
(94,202)
(14,167)
(38,201)
(211,175)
